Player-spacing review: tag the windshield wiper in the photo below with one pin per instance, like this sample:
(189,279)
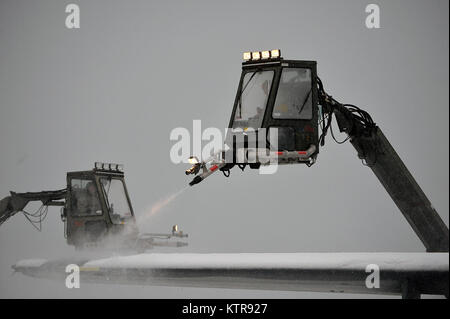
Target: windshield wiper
(304,102)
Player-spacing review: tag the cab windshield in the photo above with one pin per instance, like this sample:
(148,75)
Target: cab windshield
(253,96)
(116,200)
(294,96)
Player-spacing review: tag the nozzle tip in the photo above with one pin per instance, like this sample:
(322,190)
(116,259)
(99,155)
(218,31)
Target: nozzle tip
(196,180)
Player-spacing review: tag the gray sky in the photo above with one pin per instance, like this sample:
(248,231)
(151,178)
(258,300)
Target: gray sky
(114,89)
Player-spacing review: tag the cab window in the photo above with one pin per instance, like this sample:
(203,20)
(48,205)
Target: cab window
(294,96)
(116,198)
(252,102)
(84,198)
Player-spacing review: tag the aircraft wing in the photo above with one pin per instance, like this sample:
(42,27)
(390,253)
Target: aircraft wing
(409,274)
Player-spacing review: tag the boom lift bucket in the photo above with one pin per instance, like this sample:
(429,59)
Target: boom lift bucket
(274,117)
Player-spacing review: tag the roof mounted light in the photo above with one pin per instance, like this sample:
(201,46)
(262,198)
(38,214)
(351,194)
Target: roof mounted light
(256,55)
(265,55)
(275,54)
(109,167)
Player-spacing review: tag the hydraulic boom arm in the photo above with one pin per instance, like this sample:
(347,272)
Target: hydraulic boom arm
(16,202)
(377,153)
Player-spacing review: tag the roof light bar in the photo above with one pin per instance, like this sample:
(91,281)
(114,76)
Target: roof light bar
(261,55)
(110,167)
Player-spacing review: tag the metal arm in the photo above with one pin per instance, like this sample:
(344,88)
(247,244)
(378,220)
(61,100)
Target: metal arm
(10,205)
(374,148)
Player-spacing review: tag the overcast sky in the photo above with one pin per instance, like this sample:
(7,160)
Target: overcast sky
(115,88)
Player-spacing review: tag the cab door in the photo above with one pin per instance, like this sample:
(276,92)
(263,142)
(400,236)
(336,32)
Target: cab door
(85,214)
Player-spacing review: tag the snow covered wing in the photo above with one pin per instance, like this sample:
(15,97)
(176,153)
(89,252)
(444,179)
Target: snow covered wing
(399,273)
